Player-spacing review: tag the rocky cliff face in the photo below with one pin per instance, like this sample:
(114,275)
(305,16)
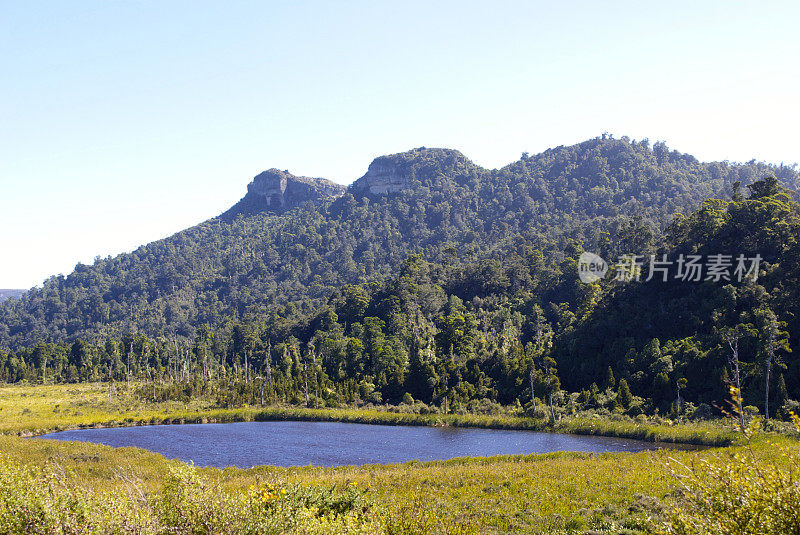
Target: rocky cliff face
(398,172)
(276,191)
(383,176)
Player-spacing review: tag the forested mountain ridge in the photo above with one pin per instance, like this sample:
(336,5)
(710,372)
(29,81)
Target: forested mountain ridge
(273,264)
(513,330)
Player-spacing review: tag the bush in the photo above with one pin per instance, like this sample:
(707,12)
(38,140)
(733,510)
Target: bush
(702,412)
(791,406)
(484,406)
(740,494)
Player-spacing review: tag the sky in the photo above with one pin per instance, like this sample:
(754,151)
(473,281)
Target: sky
(125,122)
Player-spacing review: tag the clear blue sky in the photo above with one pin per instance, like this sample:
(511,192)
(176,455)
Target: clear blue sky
(124,122)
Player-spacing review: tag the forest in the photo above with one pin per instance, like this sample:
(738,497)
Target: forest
(458,294)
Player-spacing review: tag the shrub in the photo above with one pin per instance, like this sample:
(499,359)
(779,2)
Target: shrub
(702,412)
(741,494)
(484,406)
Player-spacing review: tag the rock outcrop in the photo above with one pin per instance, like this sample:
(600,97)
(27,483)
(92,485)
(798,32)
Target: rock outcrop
(398,172)
(383,176)
(277,191)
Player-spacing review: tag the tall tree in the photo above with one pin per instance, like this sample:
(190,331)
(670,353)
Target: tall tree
(731,336)
(772,340)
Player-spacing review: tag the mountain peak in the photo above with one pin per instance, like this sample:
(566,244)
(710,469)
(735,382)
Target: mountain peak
(274,190)
(398,172)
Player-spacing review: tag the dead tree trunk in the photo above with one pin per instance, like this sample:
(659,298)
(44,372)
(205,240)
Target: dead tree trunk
(128,366)
(733,360)
(305,383)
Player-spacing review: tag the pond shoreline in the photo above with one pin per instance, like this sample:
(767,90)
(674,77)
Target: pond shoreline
(330,444)
(690,434)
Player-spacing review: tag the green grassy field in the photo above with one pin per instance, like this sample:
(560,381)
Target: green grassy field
(554,493)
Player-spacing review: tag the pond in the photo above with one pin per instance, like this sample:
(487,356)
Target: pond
(248,444)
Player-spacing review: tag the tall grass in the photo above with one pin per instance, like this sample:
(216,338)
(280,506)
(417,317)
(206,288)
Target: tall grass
(49,500)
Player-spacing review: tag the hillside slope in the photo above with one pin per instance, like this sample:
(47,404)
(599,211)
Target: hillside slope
(256,259)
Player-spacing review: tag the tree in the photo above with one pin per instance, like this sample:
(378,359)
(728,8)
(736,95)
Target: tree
(766,187)
(610,382)
(268,363)
(624,396)
(731,336)
(420,379)
(536,351)
(736,191)
(772,339)
(680,384)
(782,395)
(204,338)
(662,393)
(552,384)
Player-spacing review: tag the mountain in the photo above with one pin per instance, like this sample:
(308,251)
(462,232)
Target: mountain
(7,294)
(474,334)
(292,243)
(278,191)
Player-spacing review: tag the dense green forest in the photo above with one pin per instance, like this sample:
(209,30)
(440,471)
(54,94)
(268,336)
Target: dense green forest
(458,293)
(452,212)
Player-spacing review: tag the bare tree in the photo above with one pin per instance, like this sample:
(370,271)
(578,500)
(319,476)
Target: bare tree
(268,362)
(680,384)
(538,349)
(532,377)
(732,335)
(773,339)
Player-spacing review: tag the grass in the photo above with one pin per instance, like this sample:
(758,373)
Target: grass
(520,494)
(503,494)
(552,493)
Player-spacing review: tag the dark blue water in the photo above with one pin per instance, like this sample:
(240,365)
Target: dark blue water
(249,444)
